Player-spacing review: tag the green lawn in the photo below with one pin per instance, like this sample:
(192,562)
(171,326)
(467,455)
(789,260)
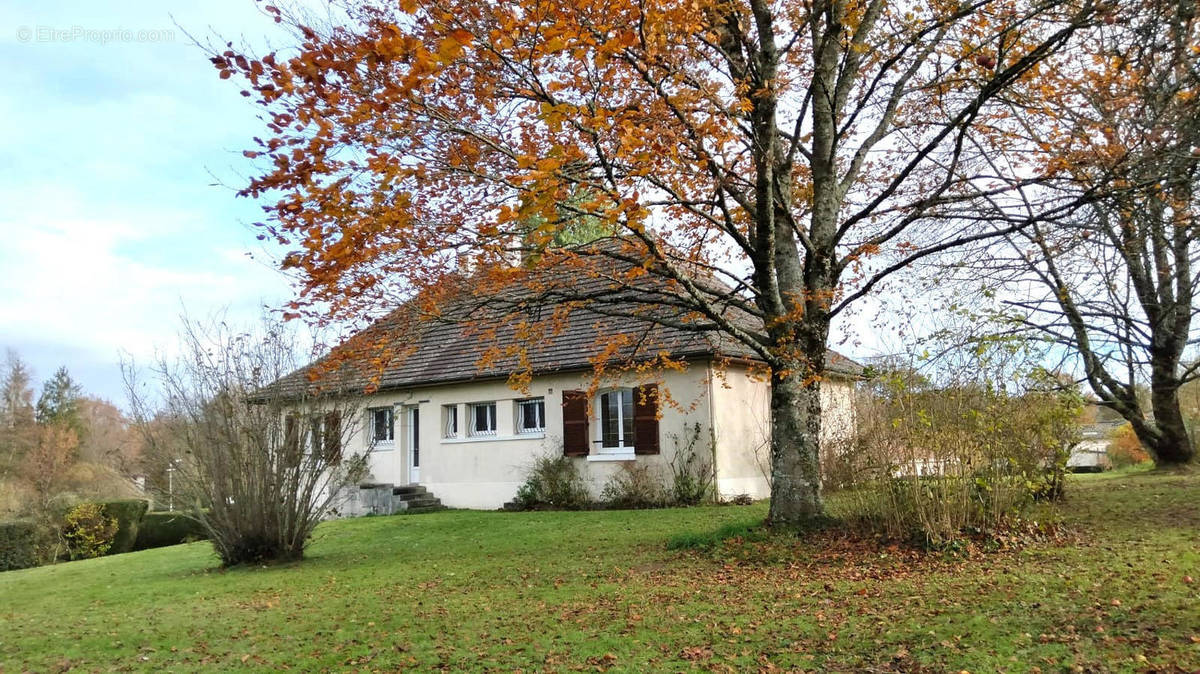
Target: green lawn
(599,590)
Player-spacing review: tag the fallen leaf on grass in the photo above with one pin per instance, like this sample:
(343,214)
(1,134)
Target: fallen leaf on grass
(696,653)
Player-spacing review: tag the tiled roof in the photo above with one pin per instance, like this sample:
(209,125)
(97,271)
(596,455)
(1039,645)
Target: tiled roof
(476,338)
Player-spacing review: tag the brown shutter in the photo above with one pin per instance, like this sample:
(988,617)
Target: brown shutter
(645,419)
(575,423)
(332,431)
(291,439)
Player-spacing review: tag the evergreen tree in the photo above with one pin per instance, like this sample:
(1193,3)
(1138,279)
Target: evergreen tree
(16,393)
(17,427)
(59,402)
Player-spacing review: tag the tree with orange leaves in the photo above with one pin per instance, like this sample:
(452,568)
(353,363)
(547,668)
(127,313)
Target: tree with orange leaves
(756,166)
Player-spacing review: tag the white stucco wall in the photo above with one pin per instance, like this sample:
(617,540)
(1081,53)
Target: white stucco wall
(741,415)
(741,412)
(485,472)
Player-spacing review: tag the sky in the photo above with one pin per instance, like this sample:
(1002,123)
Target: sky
(118,170)
(118,167)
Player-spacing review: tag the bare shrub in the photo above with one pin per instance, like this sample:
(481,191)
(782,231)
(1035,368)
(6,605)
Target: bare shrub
(933,461)
(256,456)
(635,485)
(692,469)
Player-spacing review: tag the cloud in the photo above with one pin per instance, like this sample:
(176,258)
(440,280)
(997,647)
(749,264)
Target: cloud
(109,223)
(85,283)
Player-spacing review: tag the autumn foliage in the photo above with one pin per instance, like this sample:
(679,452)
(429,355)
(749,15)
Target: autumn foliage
(754,167)
(1124,448)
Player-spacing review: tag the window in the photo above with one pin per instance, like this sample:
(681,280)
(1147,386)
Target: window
(450,415)
(314,435)
(383,427)
(483,418)
(615,411)
(325,436)
(291,436)
(331,431)
(531,415)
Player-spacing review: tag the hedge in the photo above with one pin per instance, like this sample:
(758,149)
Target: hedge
(129,514)
(160,529)
(17,545)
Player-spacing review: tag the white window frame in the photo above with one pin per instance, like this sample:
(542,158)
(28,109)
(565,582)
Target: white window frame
(316,434)
(473,411)
(621,449)
(450,428)
(381,445)
(541,403)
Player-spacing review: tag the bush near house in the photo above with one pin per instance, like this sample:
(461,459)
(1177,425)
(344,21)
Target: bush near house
(17,545)
(635,486)
(693,480)
(160,529)
(552,482)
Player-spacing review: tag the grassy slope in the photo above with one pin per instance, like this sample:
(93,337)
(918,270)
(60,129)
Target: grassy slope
(560,591)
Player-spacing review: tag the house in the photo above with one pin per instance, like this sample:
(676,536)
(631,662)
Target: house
(440,412)
(1090,455)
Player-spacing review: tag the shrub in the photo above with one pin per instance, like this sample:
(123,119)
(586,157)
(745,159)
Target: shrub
(552,482)
(1124,448)
(128,514)
(692,475)
(160,529)
(935,463)
(635,485)
(88,531)
(935,511)
(17,545)
(265,461)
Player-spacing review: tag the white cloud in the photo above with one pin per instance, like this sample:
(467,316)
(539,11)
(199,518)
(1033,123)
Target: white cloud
(95,285)
(108,224)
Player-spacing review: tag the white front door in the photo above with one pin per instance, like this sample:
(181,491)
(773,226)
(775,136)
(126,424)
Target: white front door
(414,444)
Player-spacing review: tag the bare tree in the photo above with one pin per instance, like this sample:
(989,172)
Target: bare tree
(1114,283)
(258,464)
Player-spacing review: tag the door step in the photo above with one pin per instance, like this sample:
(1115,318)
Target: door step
(415,498)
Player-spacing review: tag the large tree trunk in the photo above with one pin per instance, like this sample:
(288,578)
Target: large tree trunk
(806,288)
(796,429)
(795,450)
(1170,445)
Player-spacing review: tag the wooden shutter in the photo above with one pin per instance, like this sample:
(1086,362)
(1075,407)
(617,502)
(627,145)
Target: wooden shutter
(645,419)
(291,439)
(332,436)
(575,423)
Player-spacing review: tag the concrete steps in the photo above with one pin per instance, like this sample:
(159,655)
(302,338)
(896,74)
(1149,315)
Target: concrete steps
(384,498)
(415,498)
